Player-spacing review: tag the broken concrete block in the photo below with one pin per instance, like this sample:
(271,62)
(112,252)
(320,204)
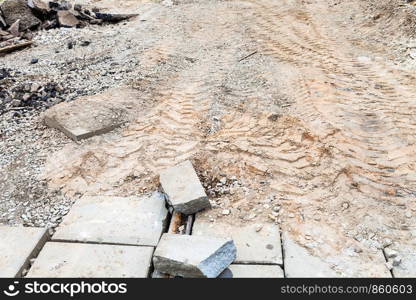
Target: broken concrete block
(253,247)
(57,260)
(300,263)
(94,115)
(183,189)
(14,10)
(115,220)
(67,19)
(17,246)
(252,271)
(193,256)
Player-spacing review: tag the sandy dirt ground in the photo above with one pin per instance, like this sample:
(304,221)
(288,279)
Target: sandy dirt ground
(319,120)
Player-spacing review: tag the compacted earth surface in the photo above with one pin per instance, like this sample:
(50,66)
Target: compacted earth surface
(294,112)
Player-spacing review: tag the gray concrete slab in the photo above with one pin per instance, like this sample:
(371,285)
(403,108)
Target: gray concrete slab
(17,246)
(300,263)
(406,256)
(193,256)
(253,246)
(115,220)
(252,271)
(183,188)
(57,260)
(92,115)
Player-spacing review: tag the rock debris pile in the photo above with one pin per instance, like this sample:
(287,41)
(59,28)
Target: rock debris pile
(18,18)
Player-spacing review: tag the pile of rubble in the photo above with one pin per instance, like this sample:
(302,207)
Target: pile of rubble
(19,17)
(24,96)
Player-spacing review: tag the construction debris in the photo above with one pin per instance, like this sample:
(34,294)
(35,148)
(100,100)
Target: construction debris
(14,10)
(183,189)
(193,256)
(19,17)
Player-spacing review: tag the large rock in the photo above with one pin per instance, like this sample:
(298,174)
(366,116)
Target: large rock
(253,246)
(183,189)
(57,260)
(115,220)
(14,10)
(67,19)
(193,256)
(17,246)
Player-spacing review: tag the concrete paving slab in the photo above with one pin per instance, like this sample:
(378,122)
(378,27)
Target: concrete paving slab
(193,256)
(262,247)
(115,220)
(183,188)
(406,254)
(252,271)
(93,115)
(58,260)
(300,263)
(17,246)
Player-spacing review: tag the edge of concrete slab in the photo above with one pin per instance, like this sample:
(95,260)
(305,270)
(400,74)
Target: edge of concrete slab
(51,122)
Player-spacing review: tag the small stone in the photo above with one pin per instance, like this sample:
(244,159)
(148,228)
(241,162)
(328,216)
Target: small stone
(390,253)
(408,214)
(251,216)
(387,242)
(276,208)
(226,212)
(35,87)
(291,215)
(389,265)
(85,43)
(397,261)
(259,228)
(14,29)
(16,103)
(34,61)
(67,19)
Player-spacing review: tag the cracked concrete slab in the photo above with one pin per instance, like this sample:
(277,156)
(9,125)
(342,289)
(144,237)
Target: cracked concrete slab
(193,256)
(253,246)
(115,220)
(183,189)
(60,260)
(18,245)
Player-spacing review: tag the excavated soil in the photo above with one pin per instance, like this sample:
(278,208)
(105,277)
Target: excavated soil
(318,120)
